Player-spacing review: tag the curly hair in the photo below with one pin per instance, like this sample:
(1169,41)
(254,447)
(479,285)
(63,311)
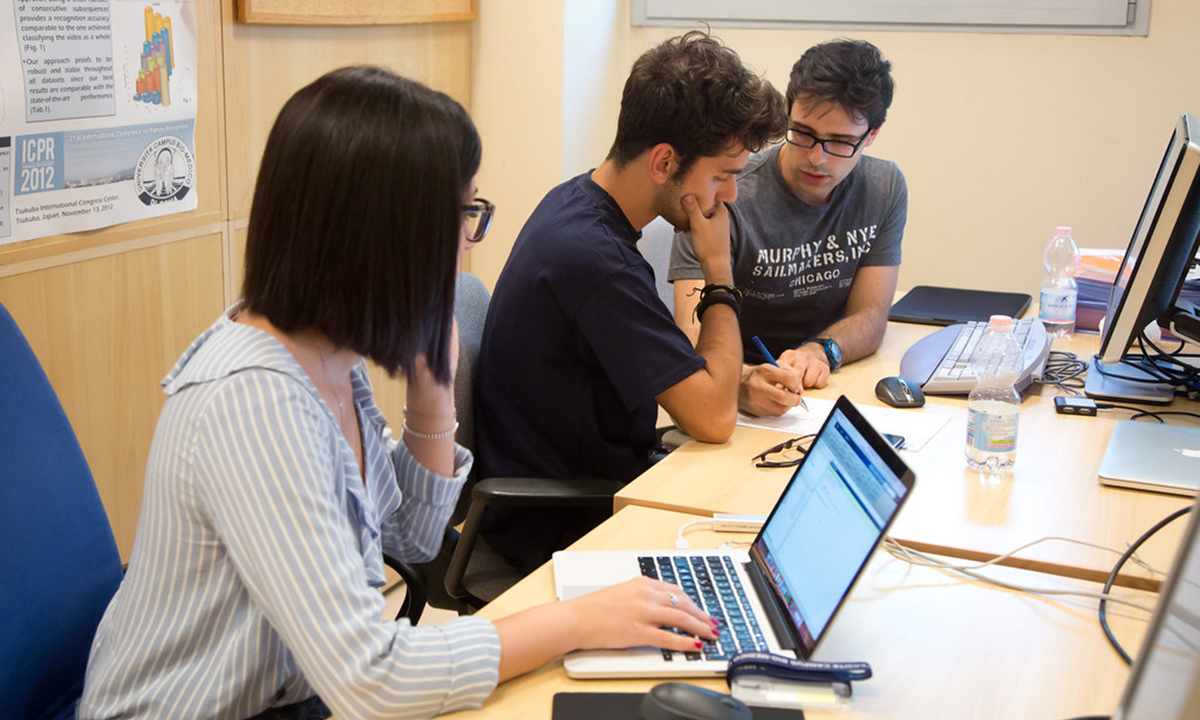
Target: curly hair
(694,94)
(851,74)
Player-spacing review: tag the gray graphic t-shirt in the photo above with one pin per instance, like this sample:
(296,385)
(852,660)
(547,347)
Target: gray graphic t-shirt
(794,261)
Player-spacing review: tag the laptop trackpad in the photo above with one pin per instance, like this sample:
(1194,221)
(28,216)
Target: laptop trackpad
(574,591)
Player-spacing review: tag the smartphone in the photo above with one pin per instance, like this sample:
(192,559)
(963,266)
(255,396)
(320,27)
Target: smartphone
(896,441)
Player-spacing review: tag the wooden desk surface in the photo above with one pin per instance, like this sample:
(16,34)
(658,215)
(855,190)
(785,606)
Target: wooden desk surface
(939,647)
(1053,491)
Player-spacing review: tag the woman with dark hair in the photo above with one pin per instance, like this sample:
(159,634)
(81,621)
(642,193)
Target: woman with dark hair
(272,486)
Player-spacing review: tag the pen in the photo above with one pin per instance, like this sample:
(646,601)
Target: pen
(771,359)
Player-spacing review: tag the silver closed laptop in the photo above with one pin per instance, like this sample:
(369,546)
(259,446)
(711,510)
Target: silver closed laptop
(1153,456)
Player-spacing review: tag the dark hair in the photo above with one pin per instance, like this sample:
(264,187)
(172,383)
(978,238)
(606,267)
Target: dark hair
(693,93)
(849,73)
(357,211)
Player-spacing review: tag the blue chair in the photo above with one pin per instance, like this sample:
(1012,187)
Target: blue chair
(57,554)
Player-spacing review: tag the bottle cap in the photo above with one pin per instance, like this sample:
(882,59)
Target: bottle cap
(1063,229)
(1000,322)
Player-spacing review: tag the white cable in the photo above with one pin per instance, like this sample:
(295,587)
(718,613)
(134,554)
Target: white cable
(739,545)
(1012,553)
(680,543)
(915,557)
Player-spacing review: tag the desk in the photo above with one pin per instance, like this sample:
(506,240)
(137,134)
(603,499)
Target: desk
(1053,490)
(939,647)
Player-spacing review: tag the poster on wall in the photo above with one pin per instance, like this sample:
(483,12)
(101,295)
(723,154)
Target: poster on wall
(97,114)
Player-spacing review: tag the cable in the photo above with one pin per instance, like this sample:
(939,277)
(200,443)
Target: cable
(1012,553)
(1162,366)
(1112,577)
(1143,412)
(916,557)
(721,522)
(680,542)
(1065,371)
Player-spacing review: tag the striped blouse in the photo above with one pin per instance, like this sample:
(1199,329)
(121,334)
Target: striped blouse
(255,574)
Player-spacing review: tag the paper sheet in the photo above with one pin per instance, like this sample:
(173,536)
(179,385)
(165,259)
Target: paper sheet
(917,427)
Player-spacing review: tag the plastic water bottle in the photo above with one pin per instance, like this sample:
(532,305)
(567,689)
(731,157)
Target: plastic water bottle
(994,404)
(1059,291)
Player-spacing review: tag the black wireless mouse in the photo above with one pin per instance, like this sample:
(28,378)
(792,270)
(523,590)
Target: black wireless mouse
(899,392)
(681,701)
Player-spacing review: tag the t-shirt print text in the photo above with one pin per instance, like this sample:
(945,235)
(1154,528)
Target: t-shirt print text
(818,261)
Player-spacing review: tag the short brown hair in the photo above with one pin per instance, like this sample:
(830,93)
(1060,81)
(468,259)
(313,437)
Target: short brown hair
(356,217)
(693,93)
(851,74)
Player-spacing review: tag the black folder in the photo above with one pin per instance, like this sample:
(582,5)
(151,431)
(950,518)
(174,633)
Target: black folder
(930,305)
(627,706)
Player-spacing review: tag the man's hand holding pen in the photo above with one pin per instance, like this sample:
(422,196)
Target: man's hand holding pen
(771,389)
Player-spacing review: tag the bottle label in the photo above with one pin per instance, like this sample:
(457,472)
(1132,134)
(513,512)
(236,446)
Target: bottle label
(988,432)
(1058,304)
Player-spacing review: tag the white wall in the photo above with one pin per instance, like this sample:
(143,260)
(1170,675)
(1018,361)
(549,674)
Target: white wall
(517,103)
(1000,136)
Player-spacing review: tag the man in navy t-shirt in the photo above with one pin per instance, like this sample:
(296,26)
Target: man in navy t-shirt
(578,350)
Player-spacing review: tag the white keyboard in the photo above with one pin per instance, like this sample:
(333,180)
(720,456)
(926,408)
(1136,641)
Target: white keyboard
(940,361)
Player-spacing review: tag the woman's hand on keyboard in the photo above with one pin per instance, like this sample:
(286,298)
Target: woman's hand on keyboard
(639,612)
(632,614)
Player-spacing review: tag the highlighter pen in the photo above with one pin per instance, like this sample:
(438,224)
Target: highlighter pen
(771,359)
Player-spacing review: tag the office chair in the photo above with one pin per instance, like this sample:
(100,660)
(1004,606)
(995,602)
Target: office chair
(59,560)
(467,575)
(655,246)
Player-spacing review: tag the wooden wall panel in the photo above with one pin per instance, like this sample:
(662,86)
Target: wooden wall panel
(353,12)
(266,64)
(107,330)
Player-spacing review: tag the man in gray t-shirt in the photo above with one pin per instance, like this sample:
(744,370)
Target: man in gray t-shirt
(816,232)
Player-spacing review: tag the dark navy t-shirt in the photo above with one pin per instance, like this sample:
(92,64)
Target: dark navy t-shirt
(576,347)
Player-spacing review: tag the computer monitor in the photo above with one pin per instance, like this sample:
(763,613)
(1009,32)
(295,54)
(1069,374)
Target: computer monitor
(1165,681)
(1161,252)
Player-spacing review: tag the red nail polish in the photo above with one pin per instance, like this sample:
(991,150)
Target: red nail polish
(699,644)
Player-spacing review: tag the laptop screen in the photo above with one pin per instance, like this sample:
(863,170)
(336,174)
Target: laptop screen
(831,516)
(1165,681)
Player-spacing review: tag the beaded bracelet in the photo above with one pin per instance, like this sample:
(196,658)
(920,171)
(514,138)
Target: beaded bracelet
(428,436)
(404,428)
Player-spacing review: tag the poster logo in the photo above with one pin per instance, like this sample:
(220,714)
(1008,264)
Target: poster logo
(166,171)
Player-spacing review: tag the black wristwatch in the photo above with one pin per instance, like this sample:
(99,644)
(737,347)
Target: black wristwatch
(833,353)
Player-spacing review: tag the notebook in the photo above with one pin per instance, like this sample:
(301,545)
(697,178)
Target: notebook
(931,305)
(1165,681)
(798,571)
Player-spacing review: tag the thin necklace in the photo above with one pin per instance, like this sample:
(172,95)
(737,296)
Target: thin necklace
(332,387)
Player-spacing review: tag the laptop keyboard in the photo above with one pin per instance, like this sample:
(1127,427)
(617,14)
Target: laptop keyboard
(712,583)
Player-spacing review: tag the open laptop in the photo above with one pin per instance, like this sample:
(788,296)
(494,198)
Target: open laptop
(1165,681)
(799,570)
